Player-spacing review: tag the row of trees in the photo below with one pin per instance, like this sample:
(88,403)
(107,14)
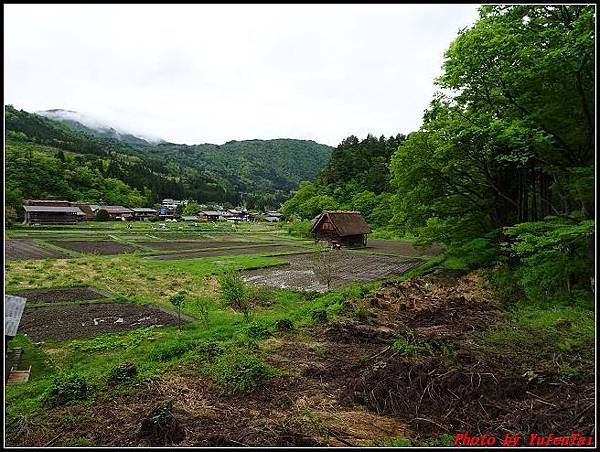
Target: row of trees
(357,177)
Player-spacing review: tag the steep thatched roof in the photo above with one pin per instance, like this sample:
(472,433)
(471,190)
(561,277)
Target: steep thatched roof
(345,222)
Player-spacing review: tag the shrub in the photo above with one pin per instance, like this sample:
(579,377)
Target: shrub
(234,292)
(235,372)
(102,215)
(258,331)
(283,325)
(554,257)
(161,427)
(300,228)
(66,389)
(178,300)
(402,347)
(211,349)
(122,373)
(203,312)
(169,351)
(319,315)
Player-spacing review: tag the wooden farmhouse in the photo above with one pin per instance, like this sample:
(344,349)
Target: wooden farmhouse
(341,227)
(52,215)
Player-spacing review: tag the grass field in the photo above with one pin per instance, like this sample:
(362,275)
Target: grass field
(292,367)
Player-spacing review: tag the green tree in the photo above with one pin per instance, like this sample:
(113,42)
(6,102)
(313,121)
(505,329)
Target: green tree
(102,215)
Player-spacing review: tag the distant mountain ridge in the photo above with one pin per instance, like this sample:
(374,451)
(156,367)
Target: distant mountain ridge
(88,124)
(258,173)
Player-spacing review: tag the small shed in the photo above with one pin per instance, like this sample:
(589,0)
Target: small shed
(343,227)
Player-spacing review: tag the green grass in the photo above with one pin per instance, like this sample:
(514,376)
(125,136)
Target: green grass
(549,342)
(155,352)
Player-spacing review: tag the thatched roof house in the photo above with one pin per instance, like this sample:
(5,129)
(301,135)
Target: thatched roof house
(342,227)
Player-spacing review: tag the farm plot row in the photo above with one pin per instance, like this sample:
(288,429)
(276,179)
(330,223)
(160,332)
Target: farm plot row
(74,321)
(28,249)
(70,319)
(344,268)
(226,252)
(60,295)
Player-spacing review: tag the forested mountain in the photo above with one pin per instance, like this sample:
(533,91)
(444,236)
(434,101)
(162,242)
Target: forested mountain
(81,123)
(502,169)
(259,173)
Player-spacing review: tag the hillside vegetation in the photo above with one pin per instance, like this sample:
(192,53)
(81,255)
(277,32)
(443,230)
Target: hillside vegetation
(502,169)
(260,173)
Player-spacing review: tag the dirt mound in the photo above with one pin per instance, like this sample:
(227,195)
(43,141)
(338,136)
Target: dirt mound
(438,398)
(434,309)
(353,333)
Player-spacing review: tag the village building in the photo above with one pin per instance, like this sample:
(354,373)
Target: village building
(86,209)
(52,215)
(116,212)
(170,203)
(144,213)
(342,228)
(273,217)
(48,202)
(209,215)
(189,218)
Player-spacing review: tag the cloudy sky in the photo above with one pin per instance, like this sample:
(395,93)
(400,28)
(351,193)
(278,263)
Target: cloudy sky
(214,73)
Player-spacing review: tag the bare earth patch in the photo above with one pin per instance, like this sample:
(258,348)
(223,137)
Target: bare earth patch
(404,248)
(66,322)
(28,249)
(60,295)
(191,245)
(226,252)
(95,247)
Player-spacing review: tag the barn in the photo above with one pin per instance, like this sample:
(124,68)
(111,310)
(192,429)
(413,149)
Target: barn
(52,215)
(343,227)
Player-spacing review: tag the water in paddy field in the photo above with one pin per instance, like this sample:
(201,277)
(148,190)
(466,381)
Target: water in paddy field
(304,280)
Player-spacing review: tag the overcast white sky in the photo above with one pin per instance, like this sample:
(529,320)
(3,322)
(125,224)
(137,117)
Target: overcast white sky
(214,73)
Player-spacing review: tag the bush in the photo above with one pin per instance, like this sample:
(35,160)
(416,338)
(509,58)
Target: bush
(283,325)
(211,349)
(234,292)
(402,347)
(258,331)
(300,228)
(102,215)
(554,258)
(169,351)
(66,389)
(319,315)
(236,372)
(122,373)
